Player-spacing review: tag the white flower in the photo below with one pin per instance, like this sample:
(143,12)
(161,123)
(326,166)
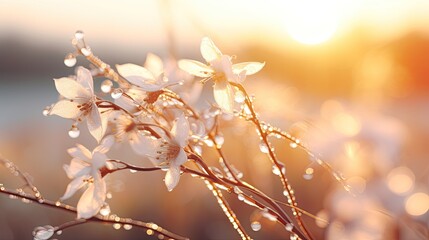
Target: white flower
(150,78)
(220,69)
(79,102)
(84,169)
(169,153)
(127,128)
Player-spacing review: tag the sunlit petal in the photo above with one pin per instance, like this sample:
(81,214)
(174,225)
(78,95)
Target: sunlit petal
(154,64)
(172,178)
(180,130)
(94,123)
(180,159)
(77,168)
(195,68)
(209,50)
(66,109)
(143,145)
(135,74)
(105,144)
(249,67)
(92,199)
(84,77)
(98,160)
(224,95)
(80,152)
(73,186)
(71,89)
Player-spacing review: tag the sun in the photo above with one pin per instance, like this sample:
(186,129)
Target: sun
(310,21)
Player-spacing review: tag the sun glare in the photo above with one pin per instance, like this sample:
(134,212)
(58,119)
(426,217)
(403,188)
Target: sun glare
(312,22)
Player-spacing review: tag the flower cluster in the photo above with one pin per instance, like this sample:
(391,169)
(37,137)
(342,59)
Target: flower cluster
(154,108)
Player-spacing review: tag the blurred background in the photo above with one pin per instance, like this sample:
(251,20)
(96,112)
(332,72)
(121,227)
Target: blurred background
(351,78)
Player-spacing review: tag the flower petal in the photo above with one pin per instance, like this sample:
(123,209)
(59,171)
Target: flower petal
(98,160)
(135,74)
(249,67)
(143,145)
(154,64)
(66,109)
(224,95)
(84,77)
(180,159)
(94,123)
(92,199)
(77,168)
(80,152)
(73,186)
(172,178)
(105,144)
(196,68)
(71,89)
(209,50)
(180,131)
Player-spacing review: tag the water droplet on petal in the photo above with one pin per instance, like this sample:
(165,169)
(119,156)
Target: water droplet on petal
(74,132)
(239,97)
(105,210)
(46,111)
(117,93)
(79,35)
(70,60)
(106,86)
(263,147)
(256,226)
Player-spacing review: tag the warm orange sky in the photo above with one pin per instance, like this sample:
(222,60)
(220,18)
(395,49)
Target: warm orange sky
(141,23)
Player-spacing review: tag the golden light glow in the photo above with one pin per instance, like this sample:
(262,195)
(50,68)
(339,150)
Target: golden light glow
(346,124)
(312,22)
(400,180)
(417,204)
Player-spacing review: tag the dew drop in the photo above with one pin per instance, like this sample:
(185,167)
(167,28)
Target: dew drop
(276,170)
(198,149)
(109,195)
(263,147)
(293,237)
(160,236)
(85,51)
(70,60)
(79,35)
(293,145)
(45,112)
(128,226)
(74,132)
(289,227)
(117,226)
(133,171)
(209,142)
(117,93)
(149,232)
(219,139)
(106,86)
(240,197)
(43,233)
(105,210)
(286,193)
(256,226)
(59,232)
(308,173)
(239,97)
